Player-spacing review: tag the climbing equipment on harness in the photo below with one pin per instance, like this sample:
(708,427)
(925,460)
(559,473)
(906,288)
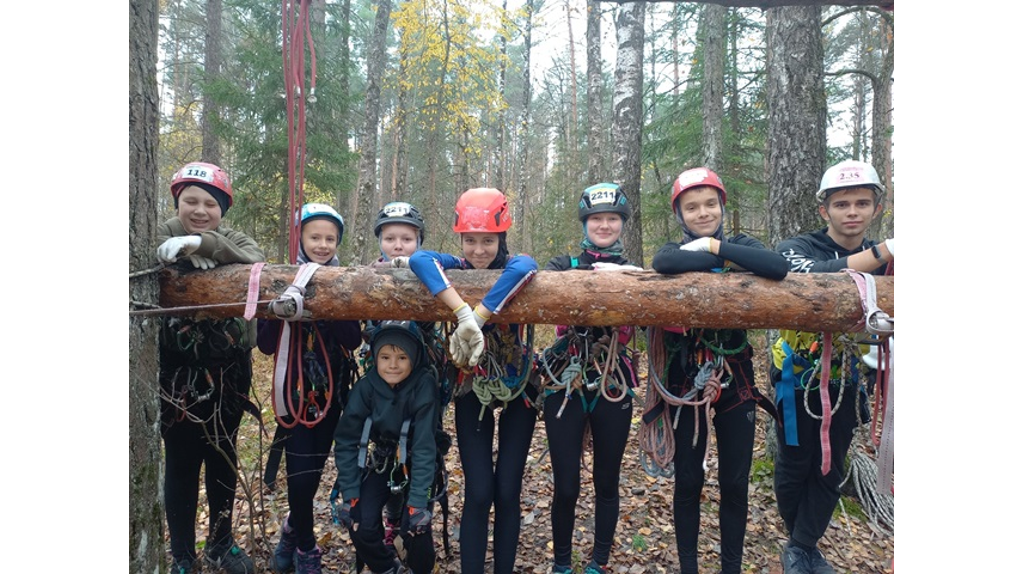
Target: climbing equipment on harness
(292,360)
(504,369)
(657,442)
(564,366)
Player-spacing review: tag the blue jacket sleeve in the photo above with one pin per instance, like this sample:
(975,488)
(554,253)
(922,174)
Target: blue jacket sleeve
(519,271)
(429,266)
(268,334)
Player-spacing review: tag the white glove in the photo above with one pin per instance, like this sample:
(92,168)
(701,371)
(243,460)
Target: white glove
(168,252)
(201,262)
(400,262)
(467,345)
(603,266)
(890,244)
(701,244)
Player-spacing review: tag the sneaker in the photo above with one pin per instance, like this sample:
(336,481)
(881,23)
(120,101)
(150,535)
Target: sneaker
(818,563)
(391,529)
(795,560)
(186,565)
(397,568)
(556,569)
(308,562)
(595,568)
(233,560)
(284,554)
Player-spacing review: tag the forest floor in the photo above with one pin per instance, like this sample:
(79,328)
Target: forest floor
(644,541)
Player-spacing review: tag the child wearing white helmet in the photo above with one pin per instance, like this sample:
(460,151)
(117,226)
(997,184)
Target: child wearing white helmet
(205,375)
(849,199)
(309,403)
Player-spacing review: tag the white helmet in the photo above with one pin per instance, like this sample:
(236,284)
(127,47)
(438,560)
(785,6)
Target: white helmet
(849,173)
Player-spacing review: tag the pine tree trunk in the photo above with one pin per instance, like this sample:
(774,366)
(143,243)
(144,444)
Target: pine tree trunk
(362,224)
(812,302)
(212,66)
(714,84)
(145,497)
(796,119)
(595,120)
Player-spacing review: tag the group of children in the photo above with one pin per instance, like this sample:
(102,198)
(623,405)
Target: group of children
(385,427)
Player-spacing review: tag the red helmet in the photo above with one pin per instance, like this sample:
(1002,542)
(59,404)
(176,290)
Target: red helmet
(482,209)
(200,172)
(696,177)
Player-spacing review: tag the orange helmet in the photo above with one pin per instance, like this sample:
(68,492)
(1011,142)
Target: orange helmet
(204,173)
(482,210)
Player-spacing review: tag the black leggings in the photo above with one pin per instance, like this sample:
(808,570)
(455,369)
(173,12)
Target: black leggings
(374,493)
(609,425)
(186,449)
(490,482)
(306,451)
(734,431)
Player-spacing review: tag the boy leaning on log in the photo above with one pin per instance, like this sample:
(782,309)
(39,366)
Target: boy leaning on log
(806,479)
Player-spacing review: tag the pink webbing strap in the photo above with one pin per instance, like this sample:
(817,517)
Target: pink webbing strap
(877,322)
(254,291)
(826,404)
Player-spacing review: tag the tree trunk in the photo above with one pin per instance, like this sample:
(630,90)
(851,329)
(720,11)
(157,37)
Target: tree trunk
(796,119)
(713,85)
(212,65)
(812,302)
(881,130)
(523,127)
(627,112)
(145,475)
(595,107)
(367,187)
(343,81)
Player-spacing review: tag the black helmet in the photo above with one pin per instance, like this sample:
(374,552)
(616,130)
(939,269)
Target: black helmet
(399,212)
(603,198)
(405,335)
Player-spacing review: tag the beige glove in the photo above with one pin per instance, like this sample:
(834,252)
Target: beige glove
(467,345)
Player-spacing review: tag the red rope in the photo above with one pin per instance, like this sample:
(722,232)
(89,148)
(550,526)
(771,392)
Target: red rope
(295,38)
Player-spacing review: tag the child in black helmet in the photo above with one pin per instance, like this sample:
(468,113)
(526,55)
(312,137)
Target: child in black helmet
(384,443)
(587,376)
(708,369)
(205,375)
(307,404)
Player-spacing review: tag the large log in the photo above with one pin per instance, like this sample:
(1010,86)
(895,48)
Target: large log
(810,302)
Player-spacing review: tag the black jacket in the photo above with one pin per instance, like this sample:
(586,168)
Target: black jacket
(371,397)
(817,253)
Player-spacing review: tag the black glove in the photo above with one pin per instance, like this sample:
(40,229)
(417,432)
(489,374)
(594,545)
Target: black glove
(419,521)
(344,512)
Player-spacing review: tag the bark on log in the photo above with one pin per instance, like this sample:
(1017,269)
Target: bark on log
(809,302)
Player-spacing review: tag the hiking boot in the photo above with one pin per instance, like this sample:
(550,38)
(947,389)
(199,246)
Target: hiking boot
(284,554)
(818,563)
(230,559)
(308,562)
(391,529)
(795,560)
(185,565)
